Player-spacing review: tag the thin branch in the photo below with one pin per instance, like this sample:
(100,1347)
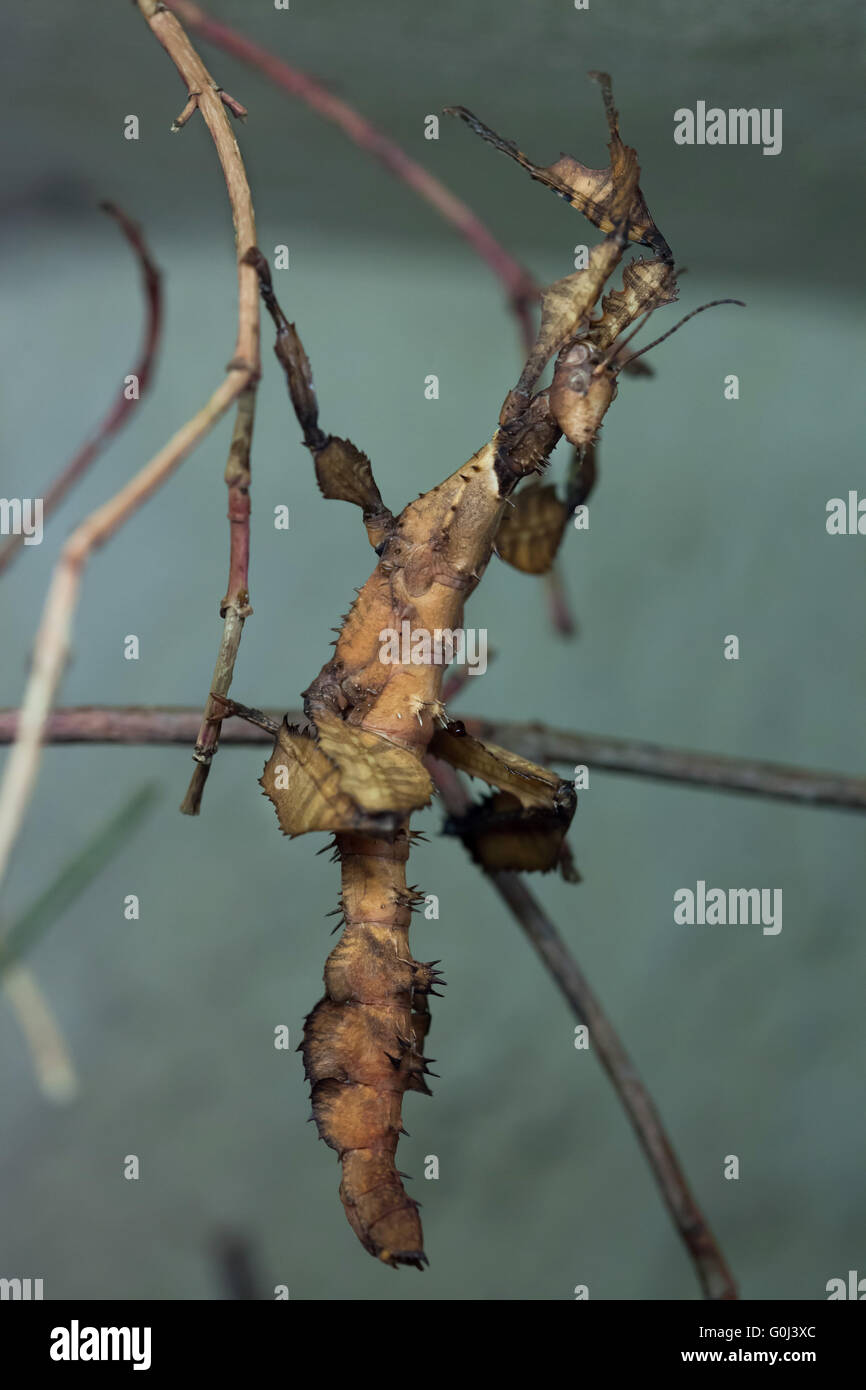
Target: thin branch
(53,639)
(778,781)
(520,287)
(713,1274)
(749,776)
(124,405)
(208,97)
(235,608)
(54,636)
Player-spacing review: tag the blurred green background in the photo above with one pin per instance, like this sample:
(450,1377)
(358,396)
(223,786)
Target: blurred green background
(708,520)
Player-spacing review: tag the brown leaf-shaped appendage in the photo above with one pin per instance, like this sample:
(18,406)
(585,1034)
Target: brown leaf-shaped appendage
(530,784)
(592,191)
(343,779)
(529,535)
(523,826)
(646,285)
(500,834)
(344,472)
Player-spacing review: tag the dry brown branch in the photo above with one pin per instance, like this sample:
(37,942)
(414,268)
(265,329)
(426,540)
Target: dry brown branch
(629,757)
(53,638)
(124,405)
(715,1278)
(205,95)
(235,607)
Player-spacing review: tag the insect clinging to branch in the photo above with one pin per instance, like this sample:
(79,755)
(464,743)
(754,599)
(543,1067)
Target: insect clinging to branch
(358,768)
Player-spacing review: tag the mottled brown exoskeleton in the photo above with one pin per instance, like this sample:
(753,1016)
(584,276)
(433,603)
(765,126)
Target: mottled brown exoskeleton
(357,769)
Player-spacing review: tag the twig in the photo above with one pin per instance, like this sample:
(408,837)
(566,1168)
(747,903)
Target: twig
(143,725)
(124,405)
(778,781)
(519,285)
(53,638)
(715,1278)
(235,608)
(208,97)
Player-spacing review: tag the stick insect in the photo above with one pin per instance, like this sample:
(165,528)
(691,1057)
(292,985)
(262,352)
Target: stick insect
(358,768)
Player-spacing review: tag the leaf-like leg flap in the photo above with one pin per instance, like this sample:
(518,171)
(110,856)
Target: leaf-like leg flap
(339,777)
(522,827)
(342,471)
(592,191)
(502,835)
(528,783)
(304,785)
(530,533)
(380,776)
(345,473)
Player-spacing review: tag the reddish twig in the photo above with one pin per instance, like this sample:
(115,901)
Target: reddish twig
(119,413)
(235,608)
(519,285)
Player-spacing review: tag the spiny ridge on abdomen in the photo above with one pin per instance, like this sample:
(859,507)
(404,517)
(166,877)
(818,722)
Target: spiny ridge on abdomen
(362,1044)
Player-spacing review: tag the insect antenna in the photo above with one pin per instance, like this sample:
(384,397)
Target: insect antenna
(655,342)
(617,347)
